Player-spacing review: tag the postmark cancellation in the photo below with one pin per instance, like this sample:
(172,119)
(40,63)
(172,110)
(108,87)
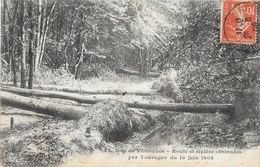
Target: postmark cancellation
(239,22)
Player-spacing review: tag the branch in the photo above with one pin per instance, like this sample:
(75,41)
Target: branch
(248,58)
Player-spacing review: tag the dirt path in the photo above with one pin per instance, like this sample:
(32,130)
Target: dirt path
(21,117)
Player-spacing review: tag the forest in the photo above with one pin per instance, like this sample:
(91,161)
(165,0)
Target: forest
(87,38)
(90,64)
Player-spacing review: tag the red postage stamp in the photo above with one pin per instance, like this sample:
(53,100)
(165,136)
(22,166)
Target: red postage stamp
(239,20)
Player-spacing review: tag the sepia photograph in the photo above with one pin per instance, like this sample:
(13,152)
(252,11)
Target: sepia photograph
(130,83)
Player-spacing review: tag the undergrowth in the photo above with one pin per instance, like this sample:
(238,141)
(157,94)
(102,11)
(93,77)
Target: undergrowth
(207,130)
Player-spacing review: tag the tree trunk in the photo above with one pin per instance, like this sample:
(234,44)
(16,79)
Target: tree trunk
(42,107)
(145,62)
(14,67)
(22,47)
(114,91)
(45,28)
(78,68)
(136,73)
(12,44)
(141,64)
(5,45)
(79,57)
(78,90)
(143,69)
(177,107)
(38,39)
(30,52)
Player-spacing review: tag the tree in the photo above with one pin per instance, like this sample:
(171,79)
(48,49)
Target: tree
(22,44)
(31,40)
(12,41)
(42,28)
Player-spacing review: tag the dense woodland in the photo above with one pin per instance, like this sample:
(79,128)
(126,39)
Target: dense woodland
(86,38)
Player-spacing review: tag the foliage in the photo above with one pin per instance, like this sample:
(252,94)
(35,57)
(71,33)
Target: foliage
(54,76)
(213,83)
(209,130)
(207,70)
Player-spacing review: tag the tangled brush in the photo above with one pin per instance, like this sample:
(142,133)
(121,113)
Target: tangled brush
(166,85)
(111,118)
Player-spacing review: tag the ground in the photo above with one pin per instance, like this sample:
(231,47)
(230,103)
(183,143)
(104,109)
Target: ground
(40,140)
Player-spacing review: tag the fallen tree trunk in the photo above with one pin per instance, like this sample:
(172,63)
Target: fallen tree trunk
(50,94)
(136,73)
(179,107)
(42,107)
(96,91)
(116,91)
(186,107)
(89,91)
(210,90)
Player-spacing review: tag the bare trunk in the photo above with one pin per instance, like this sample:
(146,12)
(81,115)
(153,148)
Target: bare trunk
(39,106)
(30,52)
(38,39)
(83,91)
(12,45)
(78,69)
(140,62)
(14,68)
(46,26)
(5,37)
(42,34)
(23,68)
(80,58)
(145,63)
(22,46)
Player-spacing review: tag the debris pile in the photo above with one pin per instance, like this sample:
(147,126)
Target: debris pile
(111,118)
(166,85)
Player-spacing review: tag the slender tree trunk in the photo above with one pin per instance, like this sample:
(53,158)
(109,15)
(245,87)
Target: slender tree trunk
(8,39)
(140,62)
(30,52)
(42,33)
(143,53)
(78,74)
(5,47)
(80,58)
(14,68)
(12,44)
(22,47)
(45,28)
(145,62)
(38,39)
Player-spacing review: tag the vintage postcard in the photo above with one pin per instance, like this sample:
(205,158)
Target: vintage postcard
(130,83)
